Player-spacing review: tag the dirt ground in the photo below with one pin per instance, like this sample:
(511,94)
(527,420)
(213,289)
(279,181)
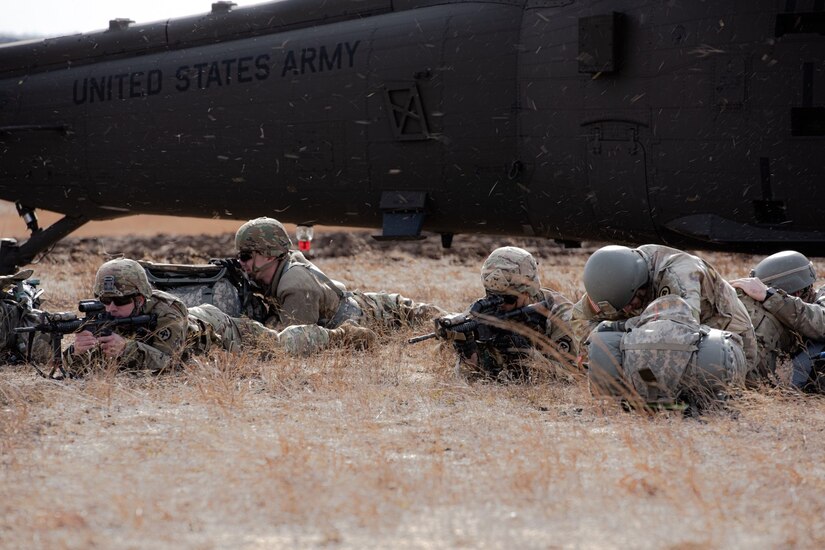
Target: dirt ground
(387,447)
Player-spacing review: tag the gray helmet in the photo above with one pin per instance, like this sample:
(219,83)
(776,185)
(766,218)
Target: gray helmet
(511,270)
(604,351)
(715,364)
(121,277)
(265,236)
(613,274)
(789,271)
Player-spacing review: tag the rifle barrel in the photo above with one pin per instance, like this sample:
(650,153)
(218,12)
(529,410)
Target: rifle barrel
(421,338)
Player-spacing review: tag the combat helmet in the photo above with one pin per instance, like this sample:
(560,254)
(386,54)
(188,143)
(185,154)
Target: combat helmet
(121,277)
(265,236)
(788,270)
(511,270)
(613,274)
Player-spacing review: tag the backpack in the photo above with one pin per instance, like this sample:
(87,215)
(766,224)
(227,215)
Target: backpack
(658,351)
(220,283)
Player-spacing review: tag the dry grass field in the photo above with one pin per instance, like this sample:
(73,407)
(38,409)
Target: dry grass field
(386,448)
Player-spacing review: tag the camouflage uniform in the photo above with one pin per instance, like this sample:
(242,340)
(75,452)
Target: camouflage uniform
(19,311)
(790,320)
(784,324)
(301,294)
(513,271)
(712,300)
(180,331)
(667,359)
(156,351)
(209,327)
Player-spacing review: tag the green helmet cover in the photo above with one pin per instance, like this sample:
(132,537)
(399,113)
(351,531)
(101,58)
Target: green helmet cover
(265,236)
(121,277)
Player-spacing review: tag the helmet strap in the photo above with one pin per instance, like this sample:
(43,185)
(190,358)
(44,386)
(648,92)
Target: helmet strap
(593,305)
(256,269)
(138,302)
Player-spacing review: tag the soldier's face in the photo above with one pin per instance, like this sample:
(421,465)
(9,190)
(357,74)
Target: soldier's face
(807,295)
(258,267)
(249,262)
(636,302)
(246,259)
(510,304)
(124,310)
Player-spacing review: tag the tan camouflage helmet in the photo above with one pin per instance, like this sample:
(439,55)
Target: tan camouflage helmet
(511,270)
(265,236)
(121,277)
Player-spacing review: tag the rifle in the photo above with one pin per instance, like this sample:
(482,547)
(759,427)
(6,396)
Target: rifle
(473,322)
(96,321)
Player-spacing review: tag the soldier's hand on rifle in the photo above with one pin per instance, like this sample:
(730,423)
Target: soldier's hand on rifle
(112,345)
(84,341)
(453,328)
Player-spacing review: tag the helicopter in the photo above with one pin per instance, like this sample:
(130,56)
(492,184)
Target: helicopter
(696,124)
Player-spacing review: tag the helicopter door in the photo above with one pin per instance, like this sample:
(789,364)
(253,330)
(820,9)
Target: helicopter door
(617,179)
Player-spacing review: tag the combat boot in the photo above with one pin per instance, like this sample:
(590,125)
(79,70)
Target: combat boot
(352,336)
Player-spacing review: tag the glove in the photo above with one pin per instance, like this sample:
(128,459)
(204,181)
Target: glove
(450,327)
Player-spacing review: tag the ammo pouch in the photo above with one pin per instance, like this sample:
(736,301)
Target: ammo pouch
(768,334)
(196,285)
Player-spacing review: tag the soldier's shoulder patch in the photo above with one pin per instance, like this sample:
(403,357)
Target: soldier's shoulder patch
(164,334)
(664,291)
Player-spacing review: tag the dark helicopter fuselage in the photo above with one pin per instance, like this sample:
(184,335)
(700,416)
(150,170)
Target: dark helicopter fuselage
(689,123)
